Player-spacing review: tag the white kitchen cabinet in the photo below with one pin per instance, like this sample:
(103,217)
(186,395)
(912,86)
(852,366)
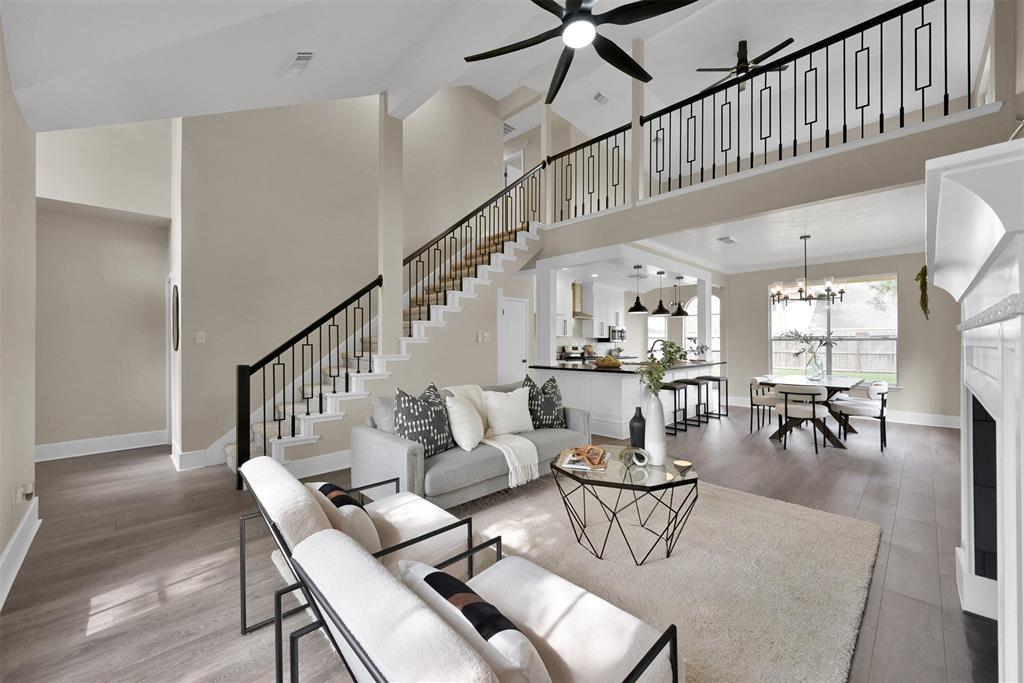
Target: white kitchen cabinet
(563,325)
(563,301)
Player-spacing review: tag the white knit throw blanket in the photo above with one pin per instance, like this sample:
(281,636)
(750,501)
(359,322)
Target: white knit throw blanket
(520,454)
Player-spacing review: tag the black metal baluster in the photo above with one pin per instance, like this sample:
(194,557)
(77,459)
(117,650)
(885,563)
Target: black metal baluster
(881,80)
(779,76)
(969,94)
(293,392)
(714,136)
(795,65)
(650,158)
(844,91)
(828,141)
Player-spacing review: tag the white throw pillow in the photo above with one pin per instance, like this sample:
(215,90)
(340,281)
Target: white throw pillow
(502,645)
(346,515)
(475,395)
(467,427)
(508,413)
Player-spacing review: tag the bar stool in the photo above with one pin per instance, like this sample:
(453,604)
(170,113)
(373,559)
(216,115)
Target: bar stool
(719,381)
(675,386)
(700,416)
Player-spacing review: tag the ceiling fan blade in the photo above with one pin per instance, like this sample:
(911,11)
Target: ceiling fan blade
(619,58)
(550,6)
(561,70)
(717,83)
(573,5)
(715,69)
(638,11)
(784,44)
(513,47)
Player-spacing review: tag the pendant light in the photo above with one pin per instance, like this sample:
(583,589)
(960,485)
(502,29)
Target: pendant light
(679,312)
(637,308)
(660,311)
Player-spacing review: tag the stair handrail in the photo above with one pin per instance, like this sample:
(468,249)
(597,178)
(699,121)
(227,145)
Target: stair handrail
(586,143)
(455,226)
(301,371)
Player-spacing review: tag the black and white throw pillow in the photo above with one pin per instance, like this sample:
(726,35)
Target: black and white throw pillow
(545,404)
(503,646)
(424,420)
(346,514)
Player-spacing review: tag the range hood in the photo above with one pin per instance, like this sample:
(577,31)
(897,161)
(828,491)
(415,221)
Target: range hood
(577,303)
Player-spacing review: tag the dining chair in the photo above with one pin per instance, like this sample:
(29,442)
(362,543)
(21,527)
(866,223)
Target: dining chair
(762,400)
(874,406)
(802,402)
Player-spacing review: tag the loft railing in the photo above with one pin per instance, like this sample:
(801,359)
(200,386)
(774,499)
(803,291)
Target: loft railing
(442,264)
(854,84)
(292,380)
(591,176)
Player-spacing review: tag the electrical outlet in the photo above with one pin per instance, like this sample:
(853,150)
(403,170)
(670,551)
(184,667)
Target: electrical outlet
(200,337)
(487,337)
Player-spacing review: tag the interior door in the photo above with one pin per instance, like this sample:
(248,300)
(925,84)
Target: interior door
(513,333)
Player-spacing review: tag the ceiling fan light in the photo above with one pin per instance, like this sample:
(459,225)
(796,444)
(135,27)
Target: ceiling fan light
(579,33)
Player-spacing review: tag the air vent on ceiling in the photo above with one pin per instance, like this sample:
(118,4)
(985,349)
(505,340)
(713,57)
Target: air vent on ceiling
(600,97)
(508,127)
(728,239)
(298,64)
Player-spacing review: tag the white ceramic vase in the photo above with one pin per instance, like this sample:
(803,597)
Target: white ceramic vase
(654,434)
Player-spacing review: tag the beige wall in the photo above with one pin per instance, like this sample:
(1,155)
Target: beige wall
(278,224)
(125,167)
(453,161)
(100,311)
(17,306)
(928,359)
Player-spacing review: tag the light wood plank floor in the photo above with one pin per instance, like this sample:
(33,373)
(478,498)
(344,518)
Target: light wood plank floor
(133,576)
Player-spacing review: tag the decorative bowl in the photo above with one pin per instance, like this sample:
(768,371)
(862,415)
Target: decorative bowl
(608,362)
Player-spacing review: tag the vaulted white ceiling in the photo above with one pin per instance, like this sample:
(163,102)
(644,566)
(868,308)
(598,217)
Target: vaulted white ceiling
(77,63)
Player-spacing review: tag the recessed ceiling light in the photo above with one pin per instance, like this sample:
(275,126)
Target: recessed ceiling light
(728,239)
(593,275)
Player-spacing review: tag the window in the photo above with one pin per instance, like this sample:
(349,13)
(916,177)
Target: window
(864,326)
(716,326)
(657,328)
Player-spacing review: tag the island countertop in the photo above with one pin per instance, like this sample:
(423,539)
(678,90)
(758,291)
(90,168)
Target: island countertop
(628,368)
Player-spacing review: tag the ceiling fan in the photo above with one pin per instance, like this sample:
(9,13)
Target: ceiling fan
(579,29)
(743,65)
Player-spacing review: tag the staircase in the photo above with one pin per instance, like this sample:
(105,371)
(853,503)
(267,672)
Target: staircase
(316,375)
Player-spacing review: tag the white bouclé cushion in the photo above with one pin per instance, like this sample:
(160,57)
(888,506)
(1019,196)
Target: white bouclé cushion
(350,519)
(502,645)
(404,516)
(580,637)
(464,420)
(508,413)
(472,393)
(400,633)
(290,506)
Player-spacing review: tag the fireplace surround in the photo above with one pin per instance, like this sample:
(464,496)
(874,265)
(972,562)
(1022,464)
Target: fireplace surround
(975,251)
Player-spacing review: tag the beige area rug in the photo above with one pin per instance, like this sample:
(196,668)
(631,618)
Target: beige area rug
(759,589)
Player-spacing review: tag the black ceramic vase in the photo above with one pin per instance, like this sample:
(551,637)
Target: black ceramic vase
(637,427)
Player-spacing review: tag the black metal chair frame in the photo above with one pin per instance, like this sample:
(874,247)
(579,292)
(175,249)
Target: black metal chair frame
(687,422)
(764,413)
(668,638)
(785,418)
(719,380)
(280,615)
(844,421)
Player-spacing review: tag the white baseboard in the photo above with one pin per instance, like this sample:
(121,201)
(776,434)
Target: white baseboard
(318,464)
(16,549)
(100,444)
(898,416)
(978,595)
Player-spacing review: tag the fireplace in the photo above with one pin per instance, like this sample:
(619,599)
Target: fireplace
(983,462)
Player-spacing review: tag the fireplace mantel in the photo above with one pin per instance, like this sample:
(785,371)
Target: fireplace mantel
(975,251)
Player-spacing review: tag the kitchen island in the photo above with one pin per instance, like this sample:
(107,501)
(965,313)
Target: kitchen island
(612,394)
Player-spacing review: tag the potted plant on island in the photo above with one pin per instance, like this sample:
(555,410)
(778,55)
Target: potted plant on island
(811,346)
(652,376)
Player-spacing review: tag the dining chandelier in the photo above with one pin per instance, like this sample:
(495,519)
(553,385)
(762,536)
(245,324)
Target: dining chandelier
(831,289)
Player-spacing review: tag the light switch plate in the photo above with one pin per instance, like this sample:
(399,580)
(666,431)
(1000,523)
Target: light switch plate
(487,337)
(200,337)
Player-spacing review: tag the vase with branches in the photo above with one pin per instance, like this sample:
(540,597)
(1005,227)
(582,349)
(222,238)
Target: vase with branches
(811,345)
(652,376)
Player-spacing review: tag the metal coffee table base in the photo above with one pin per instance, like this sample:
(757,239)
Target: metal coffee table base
(675,504)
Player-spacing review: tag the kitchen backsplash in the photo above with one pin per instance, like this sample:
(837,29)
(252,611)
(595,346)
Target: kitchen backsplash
(599,347)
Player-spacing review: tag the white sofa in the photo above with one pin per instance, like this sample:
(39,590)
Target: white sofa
(385,631)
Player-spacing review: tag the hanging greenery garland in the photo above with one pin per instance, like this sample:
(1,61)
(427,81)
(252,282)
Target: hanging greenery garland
(922,283)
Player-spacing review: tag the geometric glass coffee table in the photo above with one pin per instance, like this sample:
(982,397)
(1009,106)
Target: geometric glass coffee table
(648,505)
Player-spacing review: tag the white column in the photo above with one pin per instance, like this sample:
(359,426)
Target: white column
(704,312)
(634,186)
(390,227)
(546,120)
(546,284)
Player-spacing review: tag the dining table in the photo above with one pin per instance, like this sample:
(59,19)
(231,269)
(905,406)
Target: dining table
(834,384)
